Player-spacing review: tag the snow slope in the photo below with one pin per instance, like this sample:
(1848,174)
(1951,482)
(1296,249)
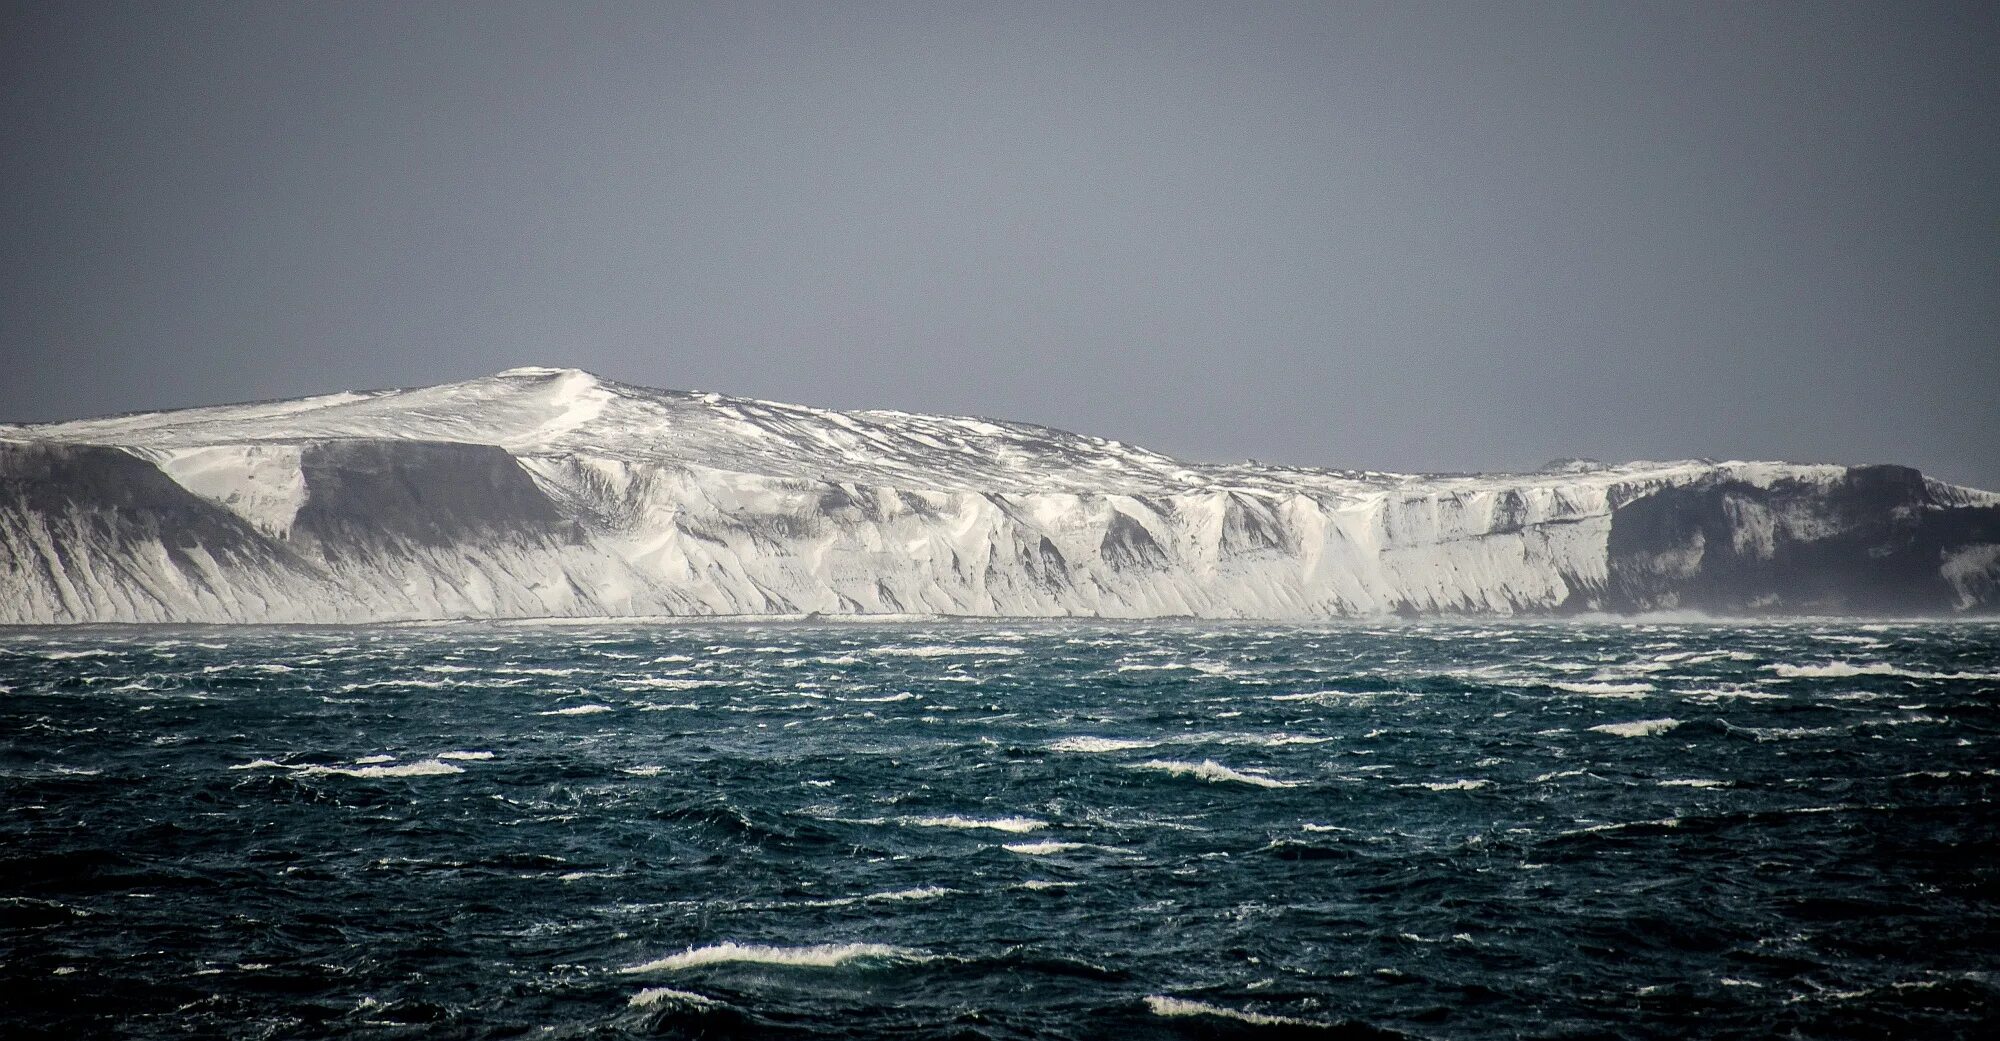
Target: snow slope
(551,492)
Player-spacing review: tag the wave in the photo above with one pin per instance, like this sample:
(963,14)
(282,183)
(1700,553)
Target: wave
(578,710)
(426,768)
(1692,782)
(669,996)
(1264,740)
(465,755)
(919,893)
(1101,744)
(1608,690)
(1041,849)
(1460,785)
(1161,1005)
(1088,744)
(1213,772)
(1845,669)
(1016,825)
(939,651)
(817,956)
(663,683)
(362,768)
(1637,728)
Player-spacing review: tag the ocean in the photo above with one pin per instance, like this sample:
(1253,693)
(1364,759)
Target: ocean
(1002,830)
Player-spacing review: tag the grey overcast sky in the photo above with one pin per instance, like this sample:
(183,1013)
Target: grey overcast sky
(1473,235)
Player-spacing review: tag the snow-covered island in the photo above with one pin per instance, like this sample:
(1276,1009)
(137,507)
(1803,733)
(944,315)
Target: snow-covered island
(542,492)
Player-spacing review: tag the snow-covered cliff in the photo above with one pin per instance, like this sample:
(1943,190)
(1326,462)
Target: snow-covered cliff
(550,492)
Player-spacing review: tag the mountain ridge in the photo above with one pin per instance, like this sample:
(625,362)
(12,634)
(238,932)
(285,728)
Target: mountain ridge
(542,491)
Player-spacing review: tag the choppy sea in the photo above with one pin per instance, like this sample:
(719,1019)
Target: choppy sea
(1002,831)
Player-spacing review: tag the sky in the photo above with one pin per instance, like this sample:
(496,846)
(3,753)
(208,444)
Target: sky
(1399,236)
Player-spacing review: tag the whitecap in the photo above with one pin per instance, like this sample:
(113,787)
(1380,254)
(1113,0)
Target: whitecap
(578,710)
(465,755)
(1016,825)
(1637,728)
(643,771)
(934,651)
(918,893)
(1835,670)
(1607,690)
(1100,744)
(893,896)
(818,956)
(371,760)
(1042,885)
(664,683)
(1041,849)
(1212,771)
(1160,1005)
(668,995)
(1461,785)
(904,696)
(427,768)
(1692,782)
(1263,740)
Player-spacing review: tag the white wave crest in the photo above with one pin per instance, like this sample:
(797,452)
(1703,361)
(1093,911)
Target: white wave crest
(1016,825)
(931,651)
(920,893)
(1461,785)
(364,767)
(465,755)
(1213,772)
(1160,1005)
(1041,849)
(1843,669)
(1607,690)
(818,956)
(1100,744)
(669,996)
(578,710)
(1637,728)
(1835,670)
(663,683)
(427,768)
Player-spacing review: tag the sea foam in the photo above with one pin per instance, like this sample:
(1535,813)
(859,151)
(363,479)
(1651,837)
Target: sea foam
(1017,825)
(1211,771)
(818,956)
(1165,1006)
(1637,728)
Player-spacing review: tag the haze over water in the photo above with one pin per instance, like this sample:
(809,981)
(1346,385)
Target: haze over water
(1047,830)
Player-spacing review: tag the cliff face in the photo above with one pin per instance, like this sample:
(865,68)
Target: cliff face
(546,492)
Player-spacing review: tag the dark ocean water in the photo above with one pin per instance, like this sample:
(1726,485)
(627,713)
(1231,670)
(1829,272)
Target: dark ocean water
(1002,831)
